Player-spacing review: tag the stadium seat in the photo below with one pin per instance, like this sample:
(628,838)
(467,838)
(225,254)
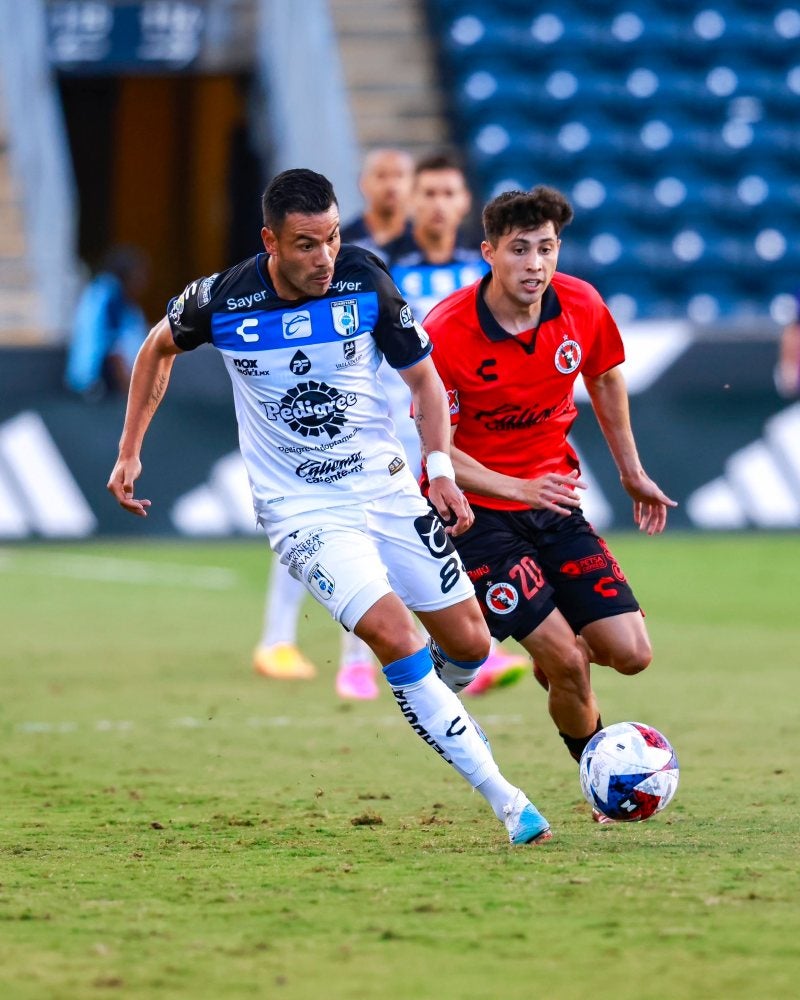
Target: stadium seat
(673,127)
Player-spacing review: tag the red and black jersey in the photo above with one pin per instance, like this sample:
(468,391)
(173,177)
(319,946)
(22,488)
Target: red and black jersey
(511,396)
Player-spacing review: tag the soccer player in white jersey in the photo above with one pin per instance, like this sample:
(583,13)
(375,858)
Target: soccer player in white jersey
(386,179)
(427,260)
(302,330)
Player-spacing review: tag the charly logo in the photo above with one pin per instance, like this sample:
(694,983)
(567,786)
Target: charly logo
(312,408)
(568,356)
(344,314)
(501,598)
(243,327)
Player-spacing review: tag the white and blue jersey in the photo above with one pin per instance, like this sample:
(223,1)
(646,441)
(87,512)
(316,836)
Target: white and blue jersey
(314,425)
(423,285)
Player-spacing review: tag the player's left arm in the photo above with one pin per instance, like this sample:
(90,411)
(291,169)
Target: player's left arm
(609,398)
(432,417)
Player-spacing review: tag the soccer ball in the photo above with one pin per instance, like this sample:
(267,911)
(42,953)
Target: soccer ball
(628,771)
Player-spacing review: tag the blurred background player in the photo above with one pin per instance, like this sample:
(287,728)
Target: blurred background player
(509,349)
(385,182)
(787,371)
(434,263)
(109,326)
(441,261)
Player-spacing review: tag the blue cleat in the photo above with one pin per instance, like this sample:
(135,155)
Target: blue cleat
(524,822)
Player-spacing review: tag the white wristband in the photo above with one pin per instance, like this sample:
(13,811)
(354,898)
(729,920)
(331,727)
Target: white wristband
(439,464)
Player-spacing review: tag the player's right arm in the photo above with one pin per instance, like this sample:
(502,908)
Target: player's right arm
(149,382)
(551,491)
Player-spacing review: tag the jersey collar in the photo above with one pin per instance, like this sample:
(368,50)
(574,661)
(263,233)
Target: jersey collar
(551,309)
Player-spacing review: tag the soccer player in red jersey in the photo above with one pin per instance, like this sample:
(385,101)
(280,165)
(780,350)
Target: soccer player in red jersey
(509,348)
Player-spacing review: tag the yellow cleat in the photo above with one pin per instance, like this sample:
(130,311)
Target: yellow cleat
(283,662)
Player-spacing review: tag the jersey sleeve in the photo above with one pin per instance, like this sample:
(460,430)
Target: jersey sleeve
(440,357)
(607,350)
(400,337)
(188,315)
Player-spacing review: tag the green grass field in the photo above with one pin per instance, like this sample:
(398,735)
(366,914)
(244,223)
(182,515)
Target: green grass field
(173,826)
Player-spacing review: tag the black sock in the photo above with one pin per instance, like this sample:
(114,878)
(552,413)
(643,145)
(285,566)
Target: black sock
(576,744)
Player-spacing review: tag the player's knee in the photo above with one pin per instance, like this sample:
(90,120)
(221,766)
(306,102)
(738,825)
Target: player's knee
(632,659)
(471,644)
(566,669)
(472,648)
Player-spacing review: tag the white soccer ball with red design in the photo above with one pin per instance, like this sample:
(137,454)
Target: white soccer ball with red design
(629,771)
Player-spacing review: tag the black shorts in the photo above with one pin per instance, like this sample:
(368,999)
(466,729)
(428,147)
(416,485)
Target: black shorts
(526,563)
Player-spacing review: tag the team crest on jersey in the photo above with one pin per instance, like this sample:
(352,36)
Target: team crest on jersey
(452,401)
(502,598)
(296,325)
(344,314)
(568,356)
(322,581)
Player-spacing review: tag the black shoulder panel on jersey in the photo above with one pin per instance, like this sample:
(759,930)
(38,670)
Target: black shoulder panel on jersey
(190,313)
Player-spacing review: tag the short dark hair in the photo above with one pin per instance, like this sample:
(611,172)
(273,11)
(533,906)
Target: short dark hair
(526,210)
(438,161)
(296,190)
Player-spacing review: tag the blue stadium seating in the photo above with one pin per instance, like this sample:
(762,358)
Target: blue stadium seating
(673,127)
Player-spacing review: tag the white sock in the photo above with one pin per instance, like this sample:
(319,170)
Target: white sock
(439,718)
(498,793)
(282,607)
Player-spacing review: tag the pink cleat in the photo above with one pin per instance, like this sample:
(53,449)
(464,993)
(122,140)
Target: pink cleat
(356,681)
(501,669)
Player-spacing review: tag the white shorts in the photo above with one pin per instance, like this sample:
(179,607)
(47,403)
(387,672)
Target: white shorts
(349,557)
